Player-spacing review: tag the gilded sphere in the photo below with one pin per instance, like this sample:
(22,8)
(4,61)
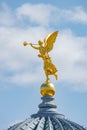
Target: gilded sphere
(47,89)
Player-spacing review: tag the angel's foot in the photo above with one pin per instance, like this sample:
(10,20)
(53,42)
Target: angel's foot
(56,76)
(47,79)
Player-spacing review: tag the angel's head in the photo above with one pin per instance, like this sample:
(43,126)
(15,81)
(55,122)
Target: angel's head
(40,42)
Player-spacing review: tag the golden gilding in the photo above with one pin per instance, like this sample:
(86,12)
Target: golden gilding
(44,47)
(47,89)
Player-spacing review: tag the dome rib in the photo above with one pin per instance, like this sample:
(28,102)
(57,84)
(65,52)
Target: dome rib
(66,124)
(29,124)
(41,123)
(33,124)
(75,125)
(58,123)
(15,126)
(48,125)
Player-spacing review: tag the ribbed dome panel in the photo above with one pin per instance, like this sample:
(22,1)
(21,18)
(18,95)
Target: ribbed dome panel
(48,123)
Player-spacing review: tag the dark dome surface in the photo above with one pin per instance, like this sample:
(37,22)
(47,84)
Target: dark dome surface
(47,118)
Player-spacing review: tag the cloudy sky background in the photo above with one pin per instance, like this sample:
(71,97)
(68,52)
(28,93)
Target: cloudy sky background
(21,72)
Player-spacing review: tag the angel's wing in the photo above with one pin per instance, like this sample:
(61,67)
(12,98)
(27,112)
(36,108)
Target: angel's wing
(50,40)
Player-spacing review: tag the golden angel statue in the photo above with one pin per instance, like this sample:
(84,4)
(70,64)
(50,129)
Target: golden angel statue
(44,48)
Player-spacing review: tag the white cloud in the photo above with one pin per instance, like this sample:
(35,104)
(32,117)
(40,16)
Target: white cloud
(46,14)
(6,15)
(77,14)
(20,65)
(38,13)
(41,14)
(24,78)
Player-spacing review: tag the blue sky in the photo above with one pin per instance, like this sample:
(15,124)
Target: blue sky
(21,72)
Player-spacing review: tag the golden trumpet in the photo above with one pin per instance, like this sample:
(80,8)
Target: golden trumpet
(25,43)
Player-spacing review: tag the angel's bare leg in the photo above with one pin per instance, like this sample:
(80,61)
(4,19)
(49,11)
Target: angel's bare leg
(47,78)
(56,76)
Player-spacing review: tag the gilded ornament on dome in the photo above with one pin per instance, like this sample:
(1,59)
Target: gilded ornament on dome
(44,48)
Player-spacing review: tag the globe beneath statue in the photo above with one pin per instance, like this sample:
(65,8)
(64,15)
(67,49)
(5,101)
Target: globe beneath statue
(47,89)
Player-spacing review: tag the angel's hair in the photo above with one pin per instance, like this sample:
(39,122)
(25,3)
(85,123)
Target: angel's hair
(40,42)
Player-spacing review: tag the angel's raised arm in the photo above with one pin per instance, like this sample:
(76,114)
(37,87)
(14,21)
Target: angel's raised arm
(37,48)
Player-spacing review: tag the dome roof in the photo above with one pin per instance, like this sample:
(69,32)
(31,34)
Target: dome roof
(47,118)
(47,123)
